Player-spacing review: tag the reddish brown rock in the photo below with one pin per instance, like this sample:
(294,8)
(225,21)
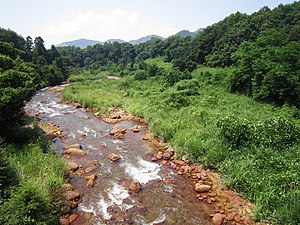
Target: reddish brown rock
(167,155)
(118,129)
(75,152)
(231,216)
(91,177)
(86,117)
(113,157)
(179,162)
(90,183)
(71,195)
(202,188)
(135,129)
(91,168)
(135,186)
(237,218)
(74,146)
(73,166)
(218,219)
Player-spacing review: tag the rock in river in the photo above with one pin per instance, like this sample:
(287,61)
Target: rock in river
(113,157)
(202,188)
(75,152)
(135,186)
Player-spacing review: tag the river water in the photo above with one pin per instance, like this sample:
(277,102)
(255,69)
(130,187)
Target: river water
(165,197)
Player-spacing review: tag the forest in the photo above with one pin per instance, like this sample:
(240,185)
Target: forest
(228,98)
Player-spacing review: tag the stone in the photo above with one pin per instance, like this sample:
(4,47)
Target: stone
(231,216)
(179,162)
(91,168)
(135,129)
(75,152)
(91,177)
(90,183)
(113,157)
(71,195)
(73,217)
(202,188)
(86,117)
(64,221)
(74,146)
(218,219)
(135,186)
(237,218)
(73,166)
(118,129)
(167,155)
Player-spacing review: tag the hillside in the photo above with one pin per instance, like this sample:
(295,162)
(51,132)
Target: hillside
(187,33)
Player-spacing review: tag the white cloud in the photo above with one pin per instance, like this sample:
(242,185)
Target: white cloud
(115,24)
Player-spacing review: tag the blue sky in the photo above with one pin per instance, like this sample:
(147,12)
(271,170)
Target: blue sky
(57,21)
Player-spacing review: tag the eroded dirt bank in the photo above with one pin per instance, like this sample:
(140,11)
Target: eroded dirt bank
(120,173)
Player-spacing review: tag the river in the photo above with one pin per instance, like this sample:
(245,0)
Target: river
(165,197)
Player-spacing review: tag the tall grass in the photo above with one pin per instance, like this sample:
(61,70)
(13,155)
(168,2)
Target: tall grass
(38,174)
(263,169)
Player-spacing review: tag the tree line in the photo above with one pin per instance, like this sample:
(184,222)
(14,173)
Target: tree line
(25,66)
(263,49)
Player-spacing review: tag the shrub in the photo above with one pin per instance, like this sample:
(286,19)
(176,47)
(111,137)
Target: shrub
(276,132)
(27,206)
(236,131)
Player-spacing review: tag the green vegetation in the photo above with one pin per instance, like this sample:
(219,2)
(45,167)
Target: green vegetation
(31,175)
(206,95)
(255,145)
(30,172)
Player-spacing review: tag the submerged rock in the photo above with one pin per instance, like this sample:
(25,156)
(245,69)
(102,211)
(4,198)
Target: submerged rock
(135,186)
(113,157)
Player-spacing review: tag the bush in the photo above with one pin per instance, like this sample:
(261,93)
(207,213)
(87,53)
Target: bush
(27,206)
(189,87)
(276,132)
(236,131)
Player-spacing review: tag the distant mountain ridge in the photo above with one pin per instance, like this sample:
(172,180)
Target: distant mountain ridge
(83,43)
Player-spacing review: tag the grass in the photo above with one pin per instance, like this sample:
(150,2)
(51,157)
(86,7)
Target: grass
(33,176)
(218,129)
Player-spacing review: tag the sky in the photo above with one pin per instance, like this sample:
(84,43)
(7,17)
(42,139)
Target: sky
(57,21)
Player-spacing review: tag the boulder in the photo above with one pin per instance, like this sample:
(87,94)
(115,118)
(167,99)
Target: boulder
(135,186)
(75,152)
(135,129)
(73,166)
(91,177)
(218,219)
(71,195)
(202,188)
(113,157)
(118,129)
(74,146)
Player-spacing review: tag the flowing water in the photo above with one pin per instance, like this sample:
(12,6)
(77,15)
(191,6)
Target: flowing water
(165,197)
